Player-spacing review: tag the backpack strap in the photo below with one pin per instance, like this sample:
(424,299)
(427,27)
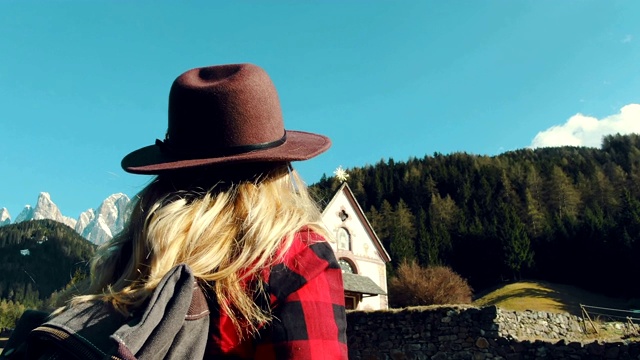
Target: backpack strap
(16,346)
(173,324)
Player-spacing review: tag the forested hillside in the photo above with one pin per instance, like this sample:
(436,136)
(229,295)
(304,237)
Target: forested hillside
(39,257)
(567,214)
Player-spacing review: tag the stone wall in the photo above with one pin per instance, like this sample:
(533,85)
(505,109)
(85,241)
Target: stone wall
(539,325)
(461,332)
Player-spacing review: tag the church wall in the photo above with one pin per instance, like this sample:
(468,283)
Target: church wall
(363,251)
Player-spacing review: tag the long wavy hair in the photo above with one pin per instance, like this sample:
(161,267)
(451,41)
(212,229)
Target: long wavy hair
(227,225)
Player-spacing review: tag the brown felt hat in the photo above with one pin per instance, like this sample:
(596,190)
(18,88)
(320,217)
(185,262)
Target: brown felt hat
(227,114)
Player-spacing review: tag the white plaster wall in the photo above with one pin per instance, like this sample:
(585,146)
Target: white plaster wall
(375,271)
(363,251)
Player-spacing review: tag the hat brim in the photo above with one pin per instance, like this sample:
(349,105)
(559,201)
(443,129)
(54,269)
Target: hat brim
(299,145)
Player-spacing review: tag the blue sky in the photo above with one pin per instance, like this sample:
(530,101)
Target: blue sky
(82,83)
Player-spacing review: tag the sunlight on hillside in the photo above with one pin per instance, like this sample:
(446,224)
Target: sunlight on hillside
(543,296)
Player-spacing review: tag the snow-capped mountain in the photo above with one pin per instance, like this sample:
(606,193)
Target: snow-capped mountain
(83,220)
(25,215)
(106,221)
(97,226)
(5,218)
(114,211)
(97,231)
(44,209)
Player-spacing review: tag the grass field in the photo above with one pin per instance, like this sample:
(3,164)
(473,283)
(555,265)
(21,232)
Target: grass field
(549,297)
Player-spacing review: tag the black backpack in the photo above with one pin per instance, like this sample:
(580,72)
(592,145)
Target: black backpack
(174,324)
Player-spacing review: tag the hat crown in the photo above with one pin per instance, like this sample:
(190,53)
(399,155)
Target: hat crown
(216,109)
(223,115)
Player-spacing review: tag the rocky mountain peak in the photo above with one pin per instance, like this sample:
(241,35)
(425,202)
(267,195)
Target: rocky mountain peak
(107,220)
(96,226)
(25,215)
(5,218)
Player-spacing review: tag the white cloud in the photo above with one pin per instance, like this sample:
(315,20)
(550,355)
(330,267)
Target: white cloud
(627,39)
(581,130)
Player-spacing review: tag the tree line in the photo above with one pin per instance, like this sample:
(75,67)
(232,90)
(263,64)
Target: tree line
(38,260)
(563,214)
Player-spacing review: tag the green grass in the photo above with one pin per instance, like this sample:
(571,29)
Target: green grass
(555,298)
(549,297)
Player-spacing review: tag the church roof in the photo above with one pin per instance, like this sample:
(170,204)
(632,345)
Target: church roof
(360,284)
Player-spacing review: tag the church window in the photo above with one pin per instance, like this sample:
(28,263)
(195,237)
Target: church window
(344,239)
(346,266)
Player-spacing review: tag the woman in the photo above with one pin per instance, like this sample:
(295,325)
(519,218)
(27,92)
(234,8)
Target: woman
(227,203)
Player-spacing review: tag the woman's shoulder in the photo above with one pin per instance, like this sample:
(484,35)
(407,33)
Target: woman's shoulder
(309,256)
(306,236)
(309,247)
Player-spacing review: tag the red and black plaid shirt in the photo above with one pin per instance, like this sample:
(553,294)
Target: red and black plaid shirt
(307,303)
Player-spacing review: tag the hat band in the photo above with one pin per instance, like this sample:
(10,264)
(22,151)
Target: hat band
(167,148)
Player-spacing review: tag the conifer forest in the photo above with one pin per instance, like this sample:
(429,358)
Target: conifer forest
(565,214)
(39,259)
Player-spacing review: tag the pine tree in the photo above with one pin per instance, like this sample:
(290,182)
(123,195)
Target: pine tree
(403,234)
(563,197)
(535,216)
(515,242)
(443,213)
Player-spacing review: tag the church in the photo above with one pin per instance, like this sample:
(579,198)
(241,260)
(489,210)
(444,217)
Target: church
(359,252)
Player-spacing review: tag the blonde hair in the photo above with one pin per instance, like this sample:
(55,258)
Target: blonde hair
(226,231)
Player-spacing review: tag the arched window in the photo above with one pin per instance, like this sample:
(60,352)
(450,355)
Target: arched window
(344,239)
(346,266)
